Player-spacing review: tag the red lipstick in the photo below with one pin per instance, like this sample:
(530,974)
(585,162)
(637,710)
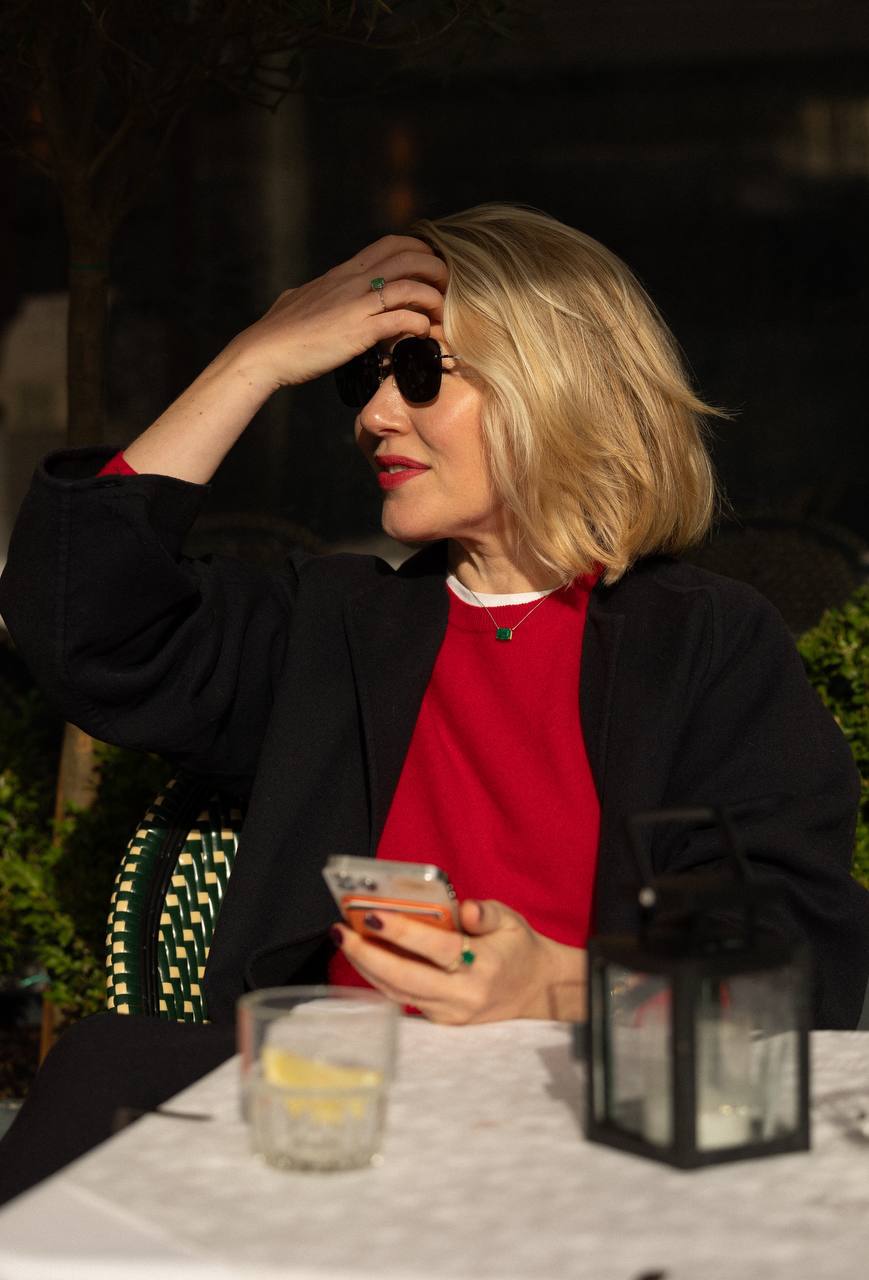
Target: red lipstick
(388,479)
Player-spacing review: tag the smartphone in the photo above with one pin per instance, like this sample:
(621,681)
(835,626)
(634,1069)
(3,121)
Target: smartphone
(416,890)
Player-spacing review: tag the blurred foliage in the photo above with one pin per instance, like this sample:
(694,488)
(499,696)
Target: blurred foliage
(56,878)
(836,657)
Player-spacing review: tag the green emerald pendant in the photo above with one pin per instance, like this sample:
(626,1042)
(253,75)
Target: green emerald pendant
(503,633)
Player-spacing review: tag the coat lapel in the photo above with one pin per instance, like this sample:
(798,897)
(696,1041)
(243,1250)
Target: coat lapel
(600,652)
(394,631)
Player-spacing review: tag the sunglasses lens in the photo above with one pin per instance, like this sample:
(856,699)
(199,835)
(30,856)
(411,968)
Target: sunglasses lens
(358,380)
(417,367)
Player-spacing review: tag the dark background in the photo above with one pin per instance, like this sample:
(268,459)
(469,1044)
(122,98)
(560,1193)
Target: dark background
(721,148)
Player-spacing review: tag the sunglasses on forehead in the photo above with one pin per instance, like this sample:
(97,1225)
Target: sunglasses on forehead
(415,363)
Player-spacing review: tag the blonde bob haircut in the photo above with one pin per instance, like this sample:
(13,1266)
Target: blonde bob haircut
(593,435)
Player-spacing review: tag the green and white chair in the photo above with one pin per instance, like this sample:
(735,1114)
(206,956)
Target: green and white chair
(166,898)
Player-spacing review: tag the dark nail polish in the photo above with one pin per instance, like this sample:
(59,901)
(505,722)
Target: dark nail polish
(372,922)
(336,935)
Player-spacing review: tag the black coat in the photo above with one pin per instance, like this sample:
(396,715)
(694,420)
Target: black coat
(302,688)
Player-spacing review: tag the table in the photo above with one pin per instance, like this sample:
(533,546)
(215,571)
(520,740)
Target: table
(486,1176)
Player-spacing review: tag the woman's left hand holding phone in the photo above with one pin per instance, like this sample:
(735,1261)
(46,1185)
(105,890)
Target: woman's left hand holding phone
(516,972)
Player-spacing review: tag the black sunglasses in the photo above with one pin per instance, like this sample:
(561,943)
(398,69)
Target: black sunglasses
(415,363)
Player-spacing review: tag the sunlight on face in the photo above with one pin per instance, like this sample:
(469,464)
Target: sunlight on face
(429,459)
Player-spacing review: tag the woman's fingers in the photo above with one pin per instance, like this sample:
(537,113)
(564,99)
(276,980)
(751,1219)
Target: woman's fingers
(412,266)
(375,254)
(395,324)
(479,917)
(410,979)
(410,295)
(440,947)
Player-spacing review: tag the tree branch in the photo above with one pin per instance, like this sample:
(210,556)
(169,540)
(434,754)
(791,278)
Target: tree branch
(109,148)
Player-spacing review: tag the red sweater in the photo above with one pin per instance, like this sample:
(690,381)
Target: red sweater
(496,787)
(117,466)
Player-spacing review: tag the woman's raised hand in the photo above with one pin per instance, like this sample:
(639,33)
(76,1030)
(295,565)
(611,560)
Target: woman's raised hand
(321,325)
(307,332)
(516,972)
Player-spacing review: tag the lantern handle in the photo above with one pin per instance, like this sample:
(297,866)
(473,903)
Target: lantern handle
(721,817)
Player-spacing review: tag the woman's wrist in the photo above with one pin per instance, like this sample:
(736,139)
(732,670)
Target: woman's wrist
(561,992)
(193,436)
(242,360)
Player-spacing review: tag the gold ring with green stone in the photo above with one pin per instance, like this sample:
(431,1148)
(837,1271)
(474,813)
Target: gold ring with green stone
(377,284)
(464,959)
(466,955)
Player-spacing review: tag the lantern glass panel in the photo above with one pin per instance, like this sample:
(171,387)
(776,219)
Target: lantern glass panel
(637,1062)
(747,1059)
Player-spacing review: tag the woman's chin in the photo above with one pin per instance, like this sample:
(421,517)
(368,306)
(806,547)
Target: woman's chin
(410,531)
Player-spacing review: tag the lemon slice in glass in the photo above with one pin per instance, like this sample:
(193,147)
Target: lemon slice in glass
(346,1091)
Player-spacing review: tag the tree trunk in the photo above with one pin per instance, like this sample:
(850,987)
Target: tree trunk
(77,775)
(48,1028)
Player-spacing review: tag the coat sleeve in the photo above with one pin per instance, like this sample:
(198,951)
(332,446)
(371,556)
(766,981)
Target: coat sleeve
(759,740)
(131,641)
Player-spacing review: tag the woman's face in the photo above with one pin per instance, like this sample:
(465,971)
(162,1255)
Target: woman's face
(429,459)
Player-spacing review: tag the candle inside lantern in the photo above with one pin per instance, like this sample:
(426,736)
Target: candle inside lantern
(726,1078)
(726,1125)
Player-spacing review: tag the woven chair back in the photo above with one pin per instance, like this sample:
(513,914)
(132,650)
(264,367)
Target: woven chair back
(166,897)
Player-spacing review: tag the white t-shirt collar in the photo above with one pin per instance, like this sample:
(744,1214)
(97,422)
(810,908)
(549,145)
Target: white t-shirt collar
(482,598)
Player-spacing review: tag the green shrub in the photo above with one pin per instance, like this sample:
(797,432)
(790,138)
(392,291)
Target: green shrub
(56,879)
(836,656)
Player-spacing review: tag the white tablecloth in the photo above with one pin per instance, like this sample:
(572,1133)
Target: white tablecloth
(486,1175)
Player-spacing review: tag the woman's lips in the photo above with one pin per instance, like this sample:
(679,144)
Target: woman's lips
(405,469)
(392,480)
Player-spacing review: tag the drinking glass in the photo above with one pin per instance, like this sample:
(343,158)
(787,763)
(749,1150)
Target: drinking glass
(316,1067)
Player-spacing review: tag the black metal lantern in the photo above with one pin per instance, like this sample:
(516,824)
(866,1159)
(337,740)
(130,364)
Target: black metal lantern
(697,1038)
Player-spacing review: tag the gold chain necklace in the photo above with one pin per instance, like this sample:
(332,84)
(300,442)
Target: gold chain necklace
(506,633)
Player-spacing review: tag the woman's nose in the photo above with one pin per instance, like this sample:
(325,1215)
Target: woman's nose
(385,413)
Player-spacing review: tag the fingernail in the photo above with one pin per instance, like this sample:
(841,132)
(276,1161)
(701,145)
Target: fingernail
(372,921)
(336,935)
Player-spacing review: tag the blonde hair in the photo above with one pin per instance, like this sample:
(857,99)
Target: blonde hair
(593,435)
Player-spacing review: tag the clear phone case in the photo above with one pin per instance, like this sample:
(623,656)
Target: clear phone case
(416,890)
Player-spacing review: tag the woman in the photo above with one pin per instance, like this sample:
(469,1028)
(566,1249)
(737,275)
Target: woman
(542,669)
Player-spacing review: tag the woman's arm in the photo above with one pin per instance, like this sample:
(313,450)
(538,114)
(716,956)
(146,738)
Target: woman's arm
(129,640)
(132,641)
(190,440)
